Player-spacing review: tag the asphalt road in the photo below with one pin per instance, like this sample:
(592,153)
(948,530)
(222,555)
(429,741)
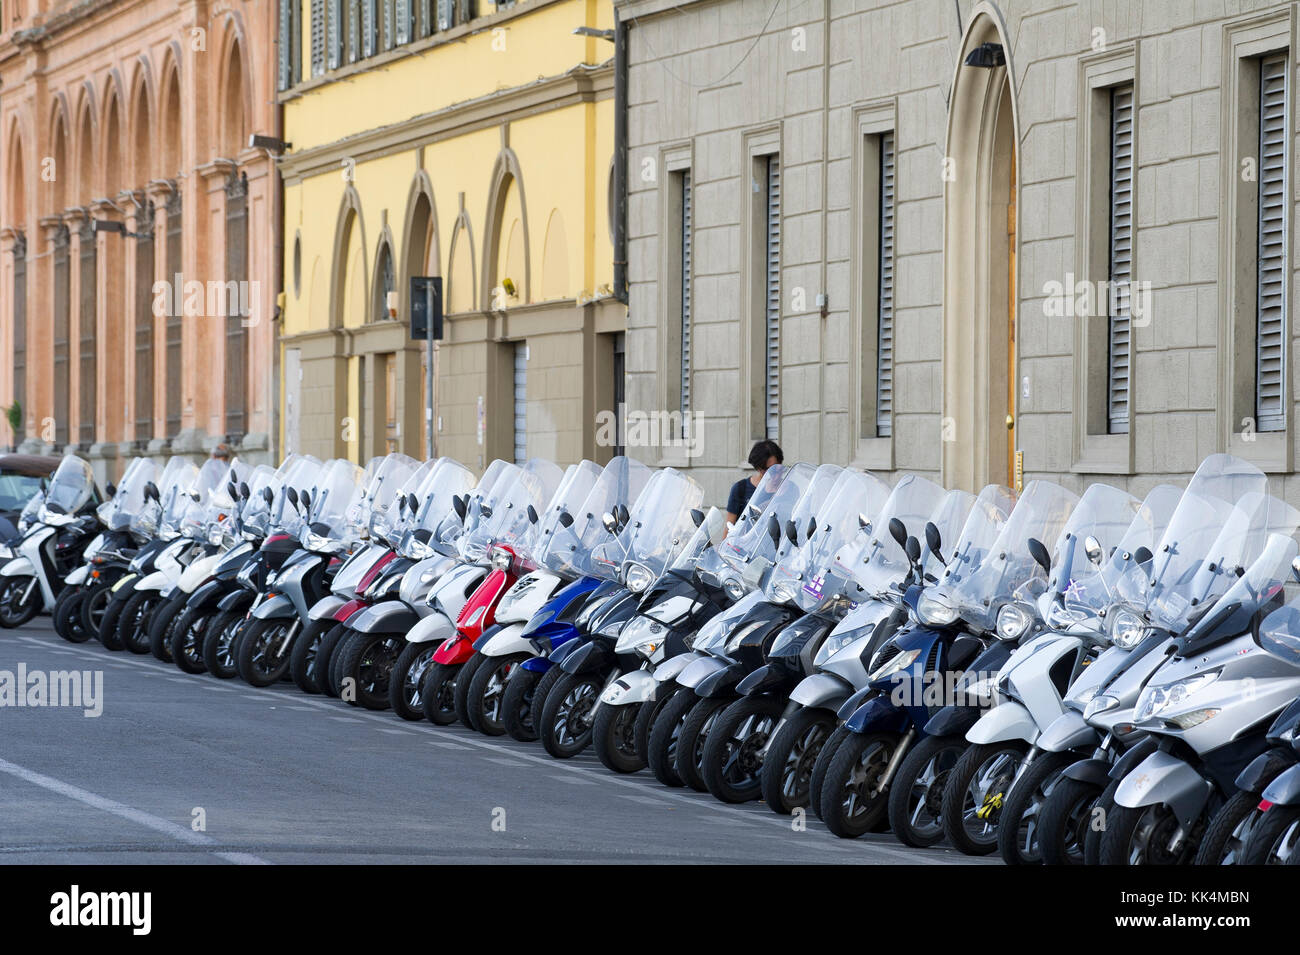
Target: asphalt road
(275,776)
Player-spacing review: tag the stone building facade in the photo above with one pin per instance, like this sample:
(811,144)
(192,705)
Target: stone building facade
(139,269)
(983,240)
(470,142)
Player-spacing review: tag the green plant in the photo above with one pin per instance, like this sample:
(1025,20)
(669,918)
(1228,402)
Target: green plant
(15,415)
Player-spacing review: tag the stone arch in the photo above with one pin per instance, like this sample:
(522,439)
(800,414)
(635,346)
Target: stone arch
(57,192)
(110,141)
(170,121)
(555,260)
(349,219)
(384,279)
(461,267)
(978,314)
(234,88)
(83,143)
(507,177)
(140,115)
(420,253)
(15,177)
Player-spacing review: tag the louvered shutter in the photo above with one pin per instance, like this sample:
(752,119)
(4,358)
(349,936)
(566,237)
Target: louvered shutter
(686,292)
(403,21)
(368,27)
(885,293)
(1120,269)
(285,52)
(317,37)
(446,14)
(773,323)
(1270,310)
(521,402)
(354,30)
(334,35)
(387,38)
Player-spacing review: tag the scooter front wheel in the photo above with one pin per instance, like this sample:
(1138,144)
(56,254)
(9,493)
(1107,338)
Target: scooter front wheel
(916,794)
(107,605)
(645,719)
(1142,836)
(692,739)
(1231,831)
(306,650)
(438,693)
(20,601)
(262,654)
(1018,827)
(366,660)
(790,757)
(67,616)
(666,734)
(822,764)
(517,704)
(487,692)
(613,736)
(566,718)
(1066,820)
(731,764)
(219,643)
(187,639)
(1276,840)
(852,800)
(463,682)
(975,792)
(329,647)
(164,624)
(540,693)
(407,679)
(133,624)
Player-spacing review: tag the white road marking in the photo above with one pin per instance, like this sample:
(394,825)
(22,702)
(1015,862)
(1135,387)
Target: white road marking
(123,811)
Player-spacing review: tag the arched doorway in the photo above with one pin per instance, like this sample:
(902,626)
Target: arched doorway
(979,336)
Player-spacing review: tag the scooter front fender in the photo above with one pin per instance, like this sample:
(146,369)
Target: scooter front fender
(1068,731)
(635,686)
(1262,770)
(698,669)
(327,606)
(1094,771)
(766,679)
(236,600)
(822,691)
(430,629)
(387,616)
(74,579)
(18,567)
(1006,721)
(1285,789)
(720,683)
(154,581)
(506,641)
(878,715)
(1165,779)
(592,656)
(278,607)
(669,669)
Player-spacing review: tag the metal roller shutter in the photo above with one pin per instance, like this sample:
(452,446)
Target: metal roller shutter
(1121,256)
(686,293)
(1270,311)
(521,402)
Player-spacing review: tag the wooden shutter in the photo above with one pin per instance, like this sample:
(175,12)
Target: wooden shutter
(686,292)
(772,365)
(885,293)
(334,35)
(175,230)
(354,30)
(1271,264)
(317,37)
(284,68)
(368,27)
(236,371)
(521,402)
(62,336)
(144,327)
(1120,266)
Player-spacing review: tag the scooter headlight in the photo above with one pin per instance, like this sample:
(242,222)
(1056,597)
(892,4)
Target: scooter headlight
(1157,699)
(501,558)
(733,588)
(638,578)
(1099,704)
(896,665)
(1127,629)
(935,612)
(1013,621)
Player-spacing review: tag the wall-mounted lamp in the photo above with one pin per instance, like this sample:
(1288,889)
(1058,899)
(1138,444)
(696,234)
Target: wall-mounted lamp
(987,56)
(593,32)
(269,143)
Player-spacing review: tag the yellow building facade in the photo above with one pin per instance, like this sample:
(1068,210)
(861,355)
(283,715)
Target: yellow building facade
(473,142)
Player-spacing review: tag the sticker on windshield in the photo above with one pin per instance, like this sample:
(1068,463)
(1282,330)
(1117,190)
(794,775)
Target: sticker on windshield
(814,585)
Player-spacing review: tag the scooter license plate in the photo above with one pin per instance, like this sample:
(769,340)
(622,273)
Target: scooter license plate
(123,582)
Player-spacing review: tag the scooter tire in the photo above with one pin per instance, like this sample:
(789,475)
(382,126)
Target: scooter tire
(822,764)
(569,692)
(1066,820)
(613,737)
(163,624)
(941,752)
(1278,831)
(1229,837)
(463,681)
(367,660)
(103,600)
(219,644)
(645,719)
(480,702)
(306,651)
(540,693)
(517,704)
(187,639)
(1018,826)
(133,622)
(875,749)
(254,636)
(665,735)
(24,614)
(731,765)
(693,738)
(67,616)
(407,679)
(438,693)
(325,658)
(955,792)
(1122,827)
(791,756)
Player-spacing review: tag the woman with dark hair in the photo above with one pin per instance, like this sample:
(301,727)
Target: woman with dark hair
(762,456)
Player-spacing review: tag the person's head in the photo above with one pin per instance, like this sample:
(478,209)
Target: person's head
(221,452)
(764,454)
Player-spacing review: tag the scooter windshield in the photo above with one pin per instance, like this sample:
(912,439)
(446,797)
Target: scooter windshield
(873,559)
(803,575)
(1259,584)
(449,479)
(1279,634)
(508,523)
(768,485)
(72,485)
(978,534)
(1081,594)
(129,502)
(397,518)
(550,533)
(569,549)
(707,536)
(174,485)
(948,519)
(754,547)
(325,515)
(302,474)
(255,512)
(659,528)
(1041,512)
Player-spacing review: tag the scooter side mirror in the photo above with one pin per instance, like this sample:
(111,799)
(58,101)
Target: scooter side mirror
(753,509)
(774,530)
(1092,547)
(812,528)
(485,510)
(1040,555)
(863,523)
(459,506)
(305,497)
(934,540)
(609,522)
(566,519)
(913,548)
(697,516)
(269,496)
(623,516)
(792,532)
(232,490)
(898,531)
(532,514)
(150,491)
(289,492)
(244,490)
(110,488)
(1295,569)
(1142,555)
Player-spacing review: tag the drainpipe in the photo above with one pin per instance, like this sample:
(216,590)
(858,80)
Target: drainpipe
(620,158)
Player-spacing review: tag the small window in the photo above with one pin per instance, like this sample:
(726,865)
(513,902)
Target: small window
(1271,255)
(772,303)
(885,291)
(297,265)
(684,265)
(288,24)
